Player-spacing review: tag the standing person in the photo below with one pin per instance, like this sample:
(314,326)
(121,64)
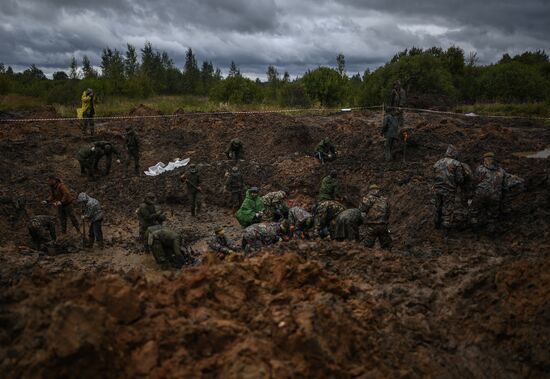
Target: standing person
(42,230)
(105,149)
(87,111)
(94,215)
(449,174)
(62,199)
(252,208)
(398,98)
(132,145)
(330,189)
(489,193)
(377,216)
(235,150)
(390,131)
(193,181)
(235,186)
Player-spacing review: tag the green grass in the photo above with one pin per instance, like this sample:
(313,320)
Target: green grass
(524,110)
(13,101)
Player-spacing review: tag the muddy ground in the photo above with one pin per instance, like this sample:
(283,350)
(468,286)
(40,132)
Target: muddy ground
(474,306)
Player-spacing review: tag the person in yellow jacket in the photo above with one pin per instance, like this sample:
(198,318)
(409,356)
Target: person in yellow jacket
(86,113)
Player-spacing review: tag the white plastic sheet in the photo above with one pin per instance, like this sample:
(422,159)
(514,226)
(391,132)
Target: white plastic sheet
(160,167)
(470,115)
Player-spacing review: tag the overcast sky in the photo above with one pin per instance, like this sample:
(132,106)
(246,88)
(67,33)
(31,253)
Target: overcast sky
(292,35)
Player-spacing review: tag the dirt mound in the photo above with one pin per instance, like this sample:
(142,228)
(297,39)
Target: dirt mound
(471,306)
(282,316)
(144,110)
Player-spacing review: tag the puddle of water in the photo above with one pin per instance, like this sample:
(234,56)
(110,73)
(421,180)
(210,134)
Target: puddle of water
(542,154)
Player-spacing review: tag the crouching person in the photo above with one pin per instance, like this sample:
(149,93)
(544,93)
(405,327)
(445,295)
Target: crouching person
(347,225)
(42,231)
(168,247)
(263,234)
(301,222)
(220,244)
(94,215)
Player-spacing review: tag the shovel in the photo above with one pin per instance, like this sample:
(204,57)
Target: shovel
(83,237)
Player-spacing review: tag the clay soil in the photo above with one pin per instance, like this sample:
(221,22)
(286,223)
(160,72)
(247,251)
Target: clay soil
(472,306)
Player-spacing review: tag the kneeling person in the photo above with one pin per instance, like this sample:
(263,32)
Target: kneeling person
(168,247)
(300,220)
(266,233)
(42,231)
(220,244)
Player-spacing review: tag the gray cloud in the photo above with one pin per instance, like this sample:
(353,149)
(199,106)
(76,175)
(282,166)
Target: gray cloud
(293,36)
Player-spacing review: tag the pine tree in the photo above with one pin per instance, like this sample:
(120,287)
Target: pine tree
(73,73)
(234,70)
(131,65)
(341,64)
(87,68)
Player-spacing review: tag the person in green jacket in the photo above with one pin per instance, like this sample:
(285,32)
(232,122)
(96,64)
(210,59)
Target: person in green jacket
(329,187)
(252,208)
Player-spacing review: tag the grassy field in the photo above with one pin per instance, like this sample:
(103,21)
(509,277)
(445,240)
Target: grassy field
(169,104)
(527,110)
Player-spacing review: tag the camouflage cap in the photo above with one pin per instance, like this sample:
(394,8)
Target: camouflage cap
(333,174)
(218,229)
(489,154)
(234,169)
(149,195)
(373,187)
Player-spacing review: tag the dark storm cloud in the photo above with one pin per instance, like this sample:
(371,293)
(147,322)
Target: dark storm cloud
(291,35)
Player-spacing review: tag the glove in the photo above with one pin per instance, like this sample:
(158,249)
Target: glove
(118,161)
(44,202)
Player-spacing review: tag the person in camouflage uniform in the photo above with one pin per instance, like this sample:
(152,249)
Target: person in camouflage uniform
(235,150)
(168,247)
(449,175)
(487,203)
(347,225)
(149,214)
(266,233)
(86,158)
(300,221)
(132,145)
(276,207)
(220,244)
(93,213)
(398,99)
(390,131)
(62,199)
(325,150)
(324,215)
(42,231)
(330,189)
(235,186)
(105,149)
(377,215)
(193,181)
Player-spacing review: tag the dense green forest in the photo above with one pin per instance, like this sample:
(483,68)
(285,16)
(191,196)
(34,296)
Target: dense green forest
(432,77)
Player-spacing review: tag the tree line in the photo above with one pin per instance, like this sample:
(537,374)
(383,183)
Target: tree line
(432,77)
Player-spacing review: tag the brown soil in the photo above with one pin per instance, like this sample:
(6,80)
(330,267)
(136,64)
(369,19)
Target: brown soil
(472,307)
